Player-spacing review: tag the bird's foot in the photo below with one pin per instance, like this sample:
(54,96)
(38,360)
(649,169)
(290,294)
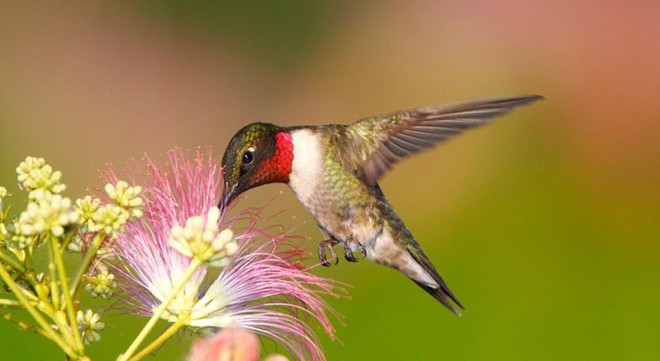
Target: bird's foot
(348,249)
(329,244)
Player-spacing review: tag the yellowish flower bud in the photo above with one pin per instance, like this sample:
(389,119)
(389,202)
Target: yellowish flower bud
(102,284)
(90,324)
(87,206)
(47,213)
(203,241)
(126,197)
(34,174)
(109,219)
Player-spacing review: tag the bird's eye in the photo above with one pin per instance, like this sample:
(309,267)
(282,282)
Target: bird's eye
(248,157)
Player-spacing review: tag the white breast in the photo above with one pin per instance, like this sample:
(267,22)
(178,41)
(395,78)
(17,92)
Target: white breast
(307,167)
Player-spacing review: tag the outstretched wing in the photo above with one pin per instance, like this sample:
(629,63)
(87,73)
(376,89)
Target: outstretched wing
(378,142)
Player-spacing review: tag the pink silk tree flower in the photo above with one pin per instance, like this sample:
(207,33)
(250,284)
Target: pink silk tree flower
(227,344)
(261,286)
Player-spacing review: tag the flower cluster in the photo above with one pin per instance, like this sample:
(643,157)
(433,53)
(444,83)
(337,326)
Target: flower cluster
(90,324)
(47,213)
(112,217)
(108,219)
(49,295)
(102,283)
(126,197)
(201,240)
(87,206)
(34,174)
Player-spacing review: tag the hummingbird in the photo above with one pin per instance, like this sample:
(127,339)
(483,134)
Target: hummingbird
(334,171)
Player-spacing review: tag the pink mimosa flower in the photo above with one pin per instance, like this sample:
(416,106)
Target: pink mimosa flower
(261,290)
(229,344)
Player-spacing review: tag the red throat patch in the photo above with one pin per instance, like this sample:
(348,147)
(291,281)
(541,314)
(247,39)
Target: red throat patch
(278,167)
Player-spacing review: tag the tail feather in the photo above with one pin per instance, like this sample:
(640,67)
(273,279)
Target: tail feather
(441,292)
(397,248)
(444,295)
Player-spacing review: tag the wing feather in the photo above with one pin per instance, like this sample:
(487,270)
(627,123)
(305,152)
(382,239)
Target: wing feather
(382,141)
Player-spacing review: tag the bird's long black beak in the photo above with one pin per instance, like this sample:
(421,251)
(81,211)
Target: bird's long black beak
(228,195)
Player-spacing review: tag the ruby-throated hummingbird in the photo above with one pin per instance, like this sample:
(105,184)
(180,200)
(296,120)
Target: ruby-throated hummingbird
(334,171)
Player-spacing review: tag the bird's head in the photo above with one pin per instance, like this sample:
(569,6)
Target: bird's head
(258,154)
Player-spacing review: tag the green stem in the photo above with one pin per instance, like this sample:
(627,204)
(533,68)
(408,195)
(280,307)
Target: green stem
(28,259)
(21,324)
(54,291)
(194,264)
(9,303)
(12,262)
(87,261)
(57,316)
(68,301)
(45,326)
(63,326)
(160,340)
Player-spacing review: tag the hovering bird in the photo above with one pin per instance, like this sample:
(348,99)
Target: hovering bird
(334,171)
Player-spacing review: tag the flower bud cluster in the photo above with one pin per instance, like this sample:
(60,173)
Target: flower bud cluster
(126,197)
(111,218)
(34,174)
(90,324)
(201,240)
(102,284)
(47,213)
(87,206)
(19,241)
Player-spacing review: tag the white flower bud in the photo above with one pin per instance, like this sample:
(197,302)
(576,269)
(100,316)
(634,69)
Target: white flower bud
(47,213)
(90,323)
(34,174)
(126,197)
(202,241)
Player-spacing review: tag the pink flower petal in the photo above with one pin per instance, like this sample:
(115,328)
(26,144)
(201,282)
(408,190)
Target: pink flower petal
(230,344)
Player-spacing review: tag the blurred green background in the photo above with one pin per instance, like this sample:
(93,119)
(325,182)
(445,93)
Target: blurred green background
(545,224)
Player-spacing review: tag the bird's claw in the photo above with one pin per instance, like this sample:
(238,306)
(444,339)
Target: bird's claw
(348,254)
(329,244)
(348,250)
